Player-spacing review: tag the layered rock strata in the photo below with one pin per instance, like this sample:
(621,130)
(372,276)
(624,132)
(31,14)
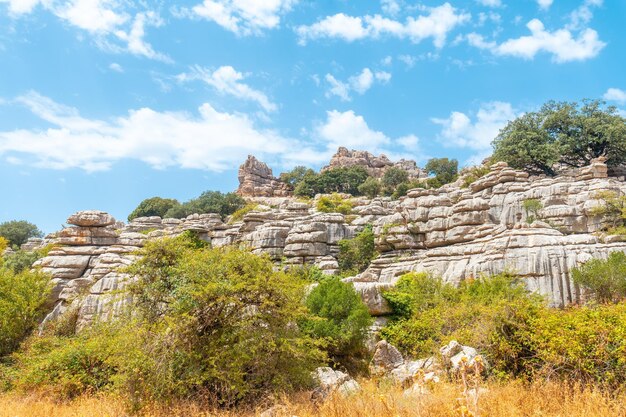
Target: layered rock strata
(257,180)
(456,233)
(375,165)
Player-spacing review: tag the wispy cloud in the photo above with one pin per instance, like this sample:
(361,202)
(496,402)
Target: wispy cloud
(359,83)
(227,80)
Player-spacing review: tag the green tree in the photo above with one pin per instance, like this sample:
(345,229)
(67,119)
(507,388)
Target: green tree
(605,279)
(356,254)
(392,178)
(296,175)
(22,299)
(336,180)
(570,134)
(370,188)
(341,319)
(445,171)
(208,202)
(17,232)
(155,206)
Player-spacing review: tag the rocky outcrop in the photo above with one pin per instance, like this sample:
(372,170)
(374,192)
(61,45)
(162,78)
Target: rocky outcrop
(331,381)
(375,165)
(454,232)
(257,180)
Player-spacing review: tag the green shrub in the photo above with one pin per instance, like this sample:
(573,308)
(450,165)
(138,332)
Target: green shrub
(444,170)
(334,204)
(429,313)
(356,254)
(531,207)
(4,244)
(612,210)
(155,206)
(210,324)
(296,175)
(340,319)
(238,215)
(473,174)
(403,189)
(22,299)
(17,232)
(605,279)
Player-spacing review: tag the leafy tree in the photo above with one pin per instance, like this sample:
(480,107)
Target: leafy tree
(605,279)
(209,202)
(340,319)
(22,299)
(403,189)
(445,171)
(17,232)
(296,175)
(570,134)
(531,207)
(21,260)
(155,206)
(371,187)
(392,178)
(337,180)
(356,254)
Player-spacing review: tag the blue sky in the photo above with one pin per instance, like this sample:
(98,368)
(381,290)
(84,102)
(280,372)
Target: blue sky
(106,102)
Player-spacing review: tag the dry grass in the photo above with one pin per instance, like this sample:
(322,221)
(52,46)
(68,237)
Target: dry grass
(510,400)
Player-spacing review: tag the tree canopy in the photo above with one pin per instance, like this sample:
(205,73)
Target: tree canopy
(155,206)
(569,134)
(17,232)
(445,171)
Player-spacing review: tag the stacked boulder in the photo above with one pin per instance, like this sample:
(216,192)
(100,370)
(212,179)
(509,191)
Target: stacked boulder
(257,180)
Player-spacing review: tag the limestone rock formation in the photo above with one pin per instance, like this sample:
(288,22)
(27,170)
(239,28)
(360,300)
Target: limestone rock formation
(454,232)
(375,165)
(257,180)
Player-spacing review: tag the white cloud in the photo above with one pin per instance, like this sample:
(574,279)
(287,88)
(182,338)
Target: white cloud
(386,61)
(243,17)
(227,80)
(562,44)
(616,95)
(391,7)
(545,4)
(436,24)
(490,3)
(408,60)
(337,88)
(363,81)
(461,131)
(110,22)
(116,67)
(359,83)
(18,7)
(209,140)
(350,130)
(582,15)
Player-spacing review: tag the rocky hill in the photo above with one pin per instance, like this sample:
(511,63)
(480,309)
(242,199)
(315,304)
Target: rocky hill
(454,232)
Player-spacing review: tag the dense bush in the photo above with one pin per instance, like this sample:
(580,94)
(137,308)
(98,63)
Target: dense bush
(155,206)
(296,175)
(611,210)
(532,206)
(340,319)
(208,202)
(356,254)
(4,244)
(470,175)
(429,313)
(334,203)
(211,323)
(17,232)
(605,279)
(570,134)
(22,299)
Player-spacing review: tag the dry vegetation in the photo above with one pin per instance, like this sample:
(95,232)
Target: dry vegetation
(512,399)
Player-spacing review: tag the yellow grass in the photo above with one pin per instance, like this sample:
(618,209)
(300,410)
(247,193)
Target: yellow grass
(508,400)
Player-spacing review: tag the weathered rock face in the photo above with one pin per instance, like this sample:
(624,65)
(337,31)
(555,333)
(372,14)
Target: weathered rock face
(257,180)
(454,232)
(375,165)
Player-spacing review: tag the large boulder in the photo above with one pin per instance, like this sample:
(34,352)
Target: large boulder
(91,218)
(257,180)
(330,381)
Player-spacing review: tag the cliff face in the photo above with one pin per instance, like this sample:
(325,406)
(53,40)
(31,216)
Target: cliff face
(454,232)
